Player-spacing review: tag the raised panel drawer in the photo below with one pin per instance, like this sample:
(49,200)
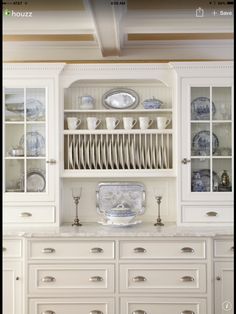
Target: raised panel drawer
(29,215)
(72,306)
(71,249)
(66,279)
(224,248)
(144,305)
(12,248)
(162,249)
(189,278)
(208,214)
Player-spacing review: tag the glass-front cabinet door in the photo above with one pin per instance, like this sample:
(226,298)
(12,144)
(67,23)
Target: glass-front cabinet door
(207,129)
(27,147)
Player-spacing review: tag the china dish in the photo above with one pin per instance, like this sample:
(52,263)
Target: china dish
(114,224)
(152,103)
(34,109)
(121,98)
(35,143)
(201,180)
(70,155)
(200,108)
(201,143)
(36,180)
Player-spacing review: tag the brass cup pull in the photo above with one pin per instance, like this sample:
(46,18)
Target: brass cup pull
(48,279)
(51,161)
(232,248)
(139,250)
(139,279)
(48,250)
(185,161)
(187,278)
(4,249)
(25,214)
(95,279)
(187,250)
(211,214)
(187,312)
(96,312)
(48,312)
(96,250)
(139,312)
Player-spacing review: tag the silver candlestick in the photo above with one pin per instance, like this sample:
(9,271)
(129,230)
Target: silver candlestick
(76,193)
(158,223)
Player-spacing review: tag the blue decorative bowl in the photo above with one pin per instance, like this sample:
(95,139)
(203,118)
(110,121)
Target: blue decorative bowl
(152,103)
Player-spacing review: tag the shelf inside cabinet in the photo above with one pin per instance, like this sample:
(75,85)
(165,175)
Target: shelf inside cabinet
(118,131)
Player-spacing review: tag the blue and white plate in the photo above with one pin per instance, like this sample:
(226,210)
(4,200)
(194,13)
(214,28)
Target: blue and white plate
(35,144)
(203,180)
(200,108)
(34,109)
(201,143)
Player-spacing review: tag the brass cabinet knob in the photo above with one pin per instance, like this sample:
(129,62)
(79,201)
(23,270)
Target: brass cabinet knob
(139,279)
(48,279)
(185,161)
(51,161)
(17,278)
(139,250)
(95,279)
(187,250)
(232,248)
(187,278)
(4,249)
(48,250)
(96,250)
(218,278)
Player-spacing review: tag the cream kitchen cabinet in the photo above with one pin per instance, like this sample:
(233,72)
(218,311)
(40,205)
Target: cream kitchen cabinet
(205,191)
(12,276)
(30,97)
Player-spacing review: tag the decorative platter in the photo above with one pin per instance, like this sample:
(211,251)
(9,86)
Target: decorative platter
(200,108)
(201,143)
(120,98)
(203,183)
(34,109)
(35,143)
(36,180)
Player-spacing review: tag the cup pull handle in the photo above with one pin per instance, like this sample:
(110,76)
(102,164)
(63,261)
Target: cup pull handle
(187,312)
(48,312)
(232,248)
(96,250)
(48,250)
(211,214)
(48,279)
(95,279)
(96,312)
(139,250)
(4,249)
(187,250)
(25,214)
(139,279)
(187,278)
(139,312)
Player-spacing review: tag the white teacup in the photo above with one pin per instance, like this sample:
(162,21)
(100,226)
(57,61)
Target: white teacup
(162,122)
(145,123)
(129,122)
(73,123)
(93,123)
(112,123)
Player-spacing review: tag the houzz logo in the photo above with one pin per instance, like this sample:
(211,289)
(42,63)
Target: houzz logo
(13,13)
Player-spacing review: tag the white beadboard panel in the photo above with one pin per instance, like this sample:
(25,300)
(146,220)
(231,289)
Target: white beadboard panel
(87,205)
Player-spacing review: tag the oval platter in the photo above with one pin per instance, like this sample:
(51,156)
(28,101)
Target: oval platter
(120,98)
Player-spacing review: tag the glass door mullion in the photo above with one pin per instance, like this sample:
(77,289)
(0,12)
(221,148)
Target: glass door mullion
(25,144)
(211,137)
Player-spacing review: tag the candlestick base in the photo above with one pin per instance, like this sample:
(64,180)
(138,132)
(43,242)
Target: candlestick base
(76,222)
(158,223)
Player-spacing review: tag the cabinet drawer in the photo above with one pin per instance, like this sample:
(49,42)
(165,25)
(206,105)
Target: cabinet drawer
(224,248)
(12,248)
(29,215)
(71,249)
(67,279)
(208,214)
(144,305)
(72,306)
(189,278)
(162,249)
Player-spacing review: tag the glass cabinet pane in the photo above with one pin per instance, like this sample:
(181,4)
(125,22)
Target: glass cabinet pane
(36,181)
(200,139)
(13,136)
(35,104)
(222,168)
(14,104)
(223,136)
(222,99)
(200,103)
(35,140)
(201,175)
(14,175)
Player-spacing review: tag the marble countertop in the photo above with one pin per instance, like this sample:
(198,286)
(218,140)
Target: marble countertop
(96,230)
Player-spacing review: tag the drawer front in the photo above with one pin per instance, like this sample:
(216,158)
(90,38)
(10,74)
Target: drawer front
(12,248)
(163,305)
(187,278)
(72,306)
(162,249)
(223,248)
(67,279)
(29,215)
(208,214)
(69,249)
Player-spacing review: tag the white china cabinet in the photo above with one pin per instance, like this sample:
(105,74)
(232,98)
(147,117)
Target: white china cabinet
(30,143)
(206,156)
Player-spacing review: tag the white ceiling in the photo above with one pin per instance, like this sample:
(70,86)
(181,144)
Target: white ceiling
(76,30)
